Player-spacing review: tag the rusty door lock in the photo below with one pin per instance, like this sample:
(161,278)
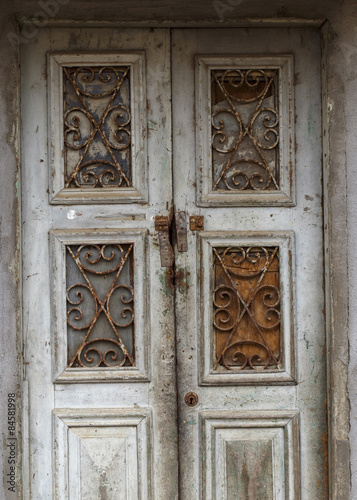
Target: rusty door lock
(162,226)
(196,223)
(191,399)
(181,231)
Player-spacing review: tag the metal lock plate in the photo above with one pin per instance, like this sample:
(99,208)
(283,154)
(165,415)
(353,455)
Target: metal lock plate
(196,223)
(191,399)
(162,226)
(181,231)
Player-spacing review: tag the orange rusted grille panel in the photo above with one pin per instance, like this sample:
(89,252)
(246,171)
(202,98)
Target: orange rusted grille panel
(247,308)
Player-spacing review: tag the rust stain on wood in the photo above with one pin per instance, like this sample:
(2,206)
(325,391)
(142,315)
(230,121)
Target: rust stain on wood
(182,280)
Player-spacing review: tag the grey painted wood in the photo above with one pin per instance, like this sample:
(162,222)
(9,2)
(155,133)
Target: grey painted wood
(335,142)
(307,397)
(339,167)
(141,411)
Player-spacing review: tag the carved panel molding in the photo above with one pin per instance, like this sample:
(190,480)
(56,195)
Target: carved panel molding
(245,136)
(97,143)
(99,295)
(102,453)
(250,454)
(246,308)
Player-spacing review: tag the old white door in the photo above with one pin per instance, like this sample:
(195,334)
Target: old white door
(249,291)
(125,350)
(99,348)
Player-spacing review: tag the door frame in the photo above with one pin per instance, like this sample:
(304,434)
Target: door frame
(336,268)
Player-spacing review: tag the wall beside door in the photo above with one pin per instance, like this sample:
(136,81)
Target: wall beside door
(340,91)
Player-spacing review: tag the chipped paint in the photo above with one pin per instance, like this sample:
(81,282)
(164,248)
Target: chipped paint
(182,280)
(166,278)
(341,144)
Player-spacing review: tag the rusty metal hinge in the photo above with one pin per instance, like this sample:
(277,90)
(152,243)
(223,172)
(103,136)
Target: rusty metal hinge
(162,226)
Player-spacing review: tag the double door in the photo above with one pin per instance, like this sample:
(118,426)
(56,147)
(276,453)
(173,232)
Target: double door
(174,342)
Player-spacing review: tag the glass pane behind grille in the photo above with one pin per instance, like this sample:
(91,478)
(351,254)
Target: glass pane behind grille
(97,127)
(100,305)
(245,129)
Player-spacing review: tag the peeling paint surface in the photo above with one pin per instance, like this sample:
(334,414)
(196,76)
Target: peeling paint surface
(339,179)
(212,302)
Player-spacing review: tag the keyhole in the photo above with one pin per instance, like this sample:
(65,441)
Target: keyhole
(191,399)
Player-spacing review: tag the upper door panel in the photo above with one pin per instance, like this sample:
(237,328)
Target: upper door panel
(245,136)
(98,127)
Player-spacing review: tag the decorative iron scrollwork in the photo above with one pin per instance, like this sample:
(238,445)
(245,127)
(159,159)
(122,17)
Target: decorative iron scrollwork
(97,127)
(246,301)
(245,129)
(100,305)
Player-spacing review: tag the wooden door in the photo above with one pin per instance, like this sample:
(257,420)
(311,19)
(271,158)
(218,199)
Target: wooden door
(249,291)
(99,338)
(134,362)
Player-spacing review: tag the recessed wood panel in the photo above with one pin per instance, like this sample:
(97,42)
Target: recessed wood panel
(102,454)
(249,469)
(249,455)
(99,460)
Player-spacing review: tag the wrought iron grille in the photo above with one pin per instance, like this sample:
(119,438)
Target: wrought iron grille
(246,308)
(100,305)
(245,129)
(97,127)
